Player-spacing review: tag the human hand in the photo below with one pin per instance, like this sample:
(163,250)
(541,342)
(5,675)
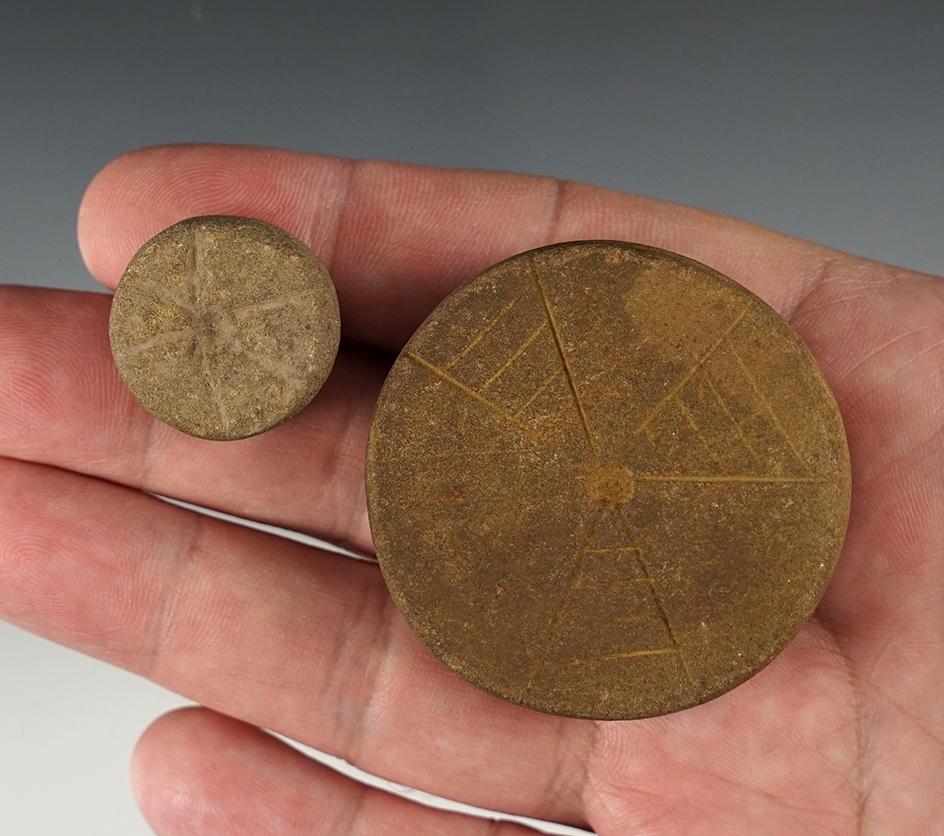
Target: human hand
(843,731)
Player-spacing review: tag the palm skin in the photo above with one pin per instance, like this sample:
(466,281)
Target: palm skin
(843,732)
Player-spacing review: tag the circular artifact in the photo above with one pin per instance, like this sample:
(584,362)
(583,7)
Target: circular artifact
(606,481)
(224,326)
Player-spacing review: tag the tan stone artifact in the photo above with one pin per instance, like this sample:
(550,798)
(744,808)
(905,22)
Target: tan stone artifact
(224,326)
(606,481)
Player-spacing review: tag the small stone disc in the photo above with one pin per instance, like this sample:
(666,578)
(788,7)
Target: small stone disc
(224,326)
(606,481)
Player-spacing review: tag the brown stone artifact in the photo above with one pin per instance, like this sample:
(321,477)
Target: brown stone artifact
(223,326)
(606,481)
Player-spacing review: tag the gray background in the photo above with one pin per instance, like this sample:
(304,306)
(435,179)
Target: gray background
(824,122)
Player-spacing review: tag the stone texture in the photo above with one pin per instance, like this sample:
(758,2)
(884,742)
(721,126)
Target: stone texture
(606,481)
(224,326)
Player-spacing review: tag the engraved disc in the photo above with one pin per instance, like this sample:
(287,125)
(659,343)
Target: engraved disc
(224,326)
(606,481)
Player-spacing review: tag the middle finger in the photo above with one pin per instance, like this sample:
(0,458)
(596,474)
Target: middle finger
(66,405)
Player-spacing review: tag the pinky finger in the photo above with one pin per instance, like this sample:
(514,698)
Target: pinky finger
(197,772)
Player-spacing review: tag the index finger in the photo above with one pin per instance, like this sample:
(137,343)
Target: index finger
(399,237)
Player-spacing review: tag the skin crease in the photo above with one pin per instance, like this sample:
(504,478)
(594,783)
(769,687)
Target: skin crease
(841,733)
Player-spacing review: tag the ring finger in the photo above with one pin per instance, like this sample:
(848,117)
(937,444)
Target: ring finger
(273,633)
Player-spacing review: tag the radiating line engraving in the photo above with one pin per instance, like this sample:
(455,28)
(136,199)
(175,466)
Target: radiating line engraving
(564,363)
(167,338)
(773,415)
(270,305)
(697,430)
(539,659)
(733,420)
(195,276)
(475,396)
(517,353)
(688,375)
(483,331)
(537,393)
(658,601)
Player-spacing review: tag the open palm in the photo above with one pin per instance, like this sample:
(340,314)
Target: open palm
(843,732)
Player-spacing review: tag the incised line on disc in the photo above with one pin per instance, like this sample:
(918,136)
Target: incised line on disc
(563,358)
(688,375)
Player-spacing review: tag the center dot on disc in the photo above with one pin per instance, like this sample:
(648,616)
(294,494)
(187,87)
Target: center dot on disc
(611,483)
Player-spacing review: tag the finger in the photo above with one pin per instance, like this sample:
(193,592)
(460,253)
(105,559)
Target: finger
(64,404)
(197,772)
(398,237)
(269,631)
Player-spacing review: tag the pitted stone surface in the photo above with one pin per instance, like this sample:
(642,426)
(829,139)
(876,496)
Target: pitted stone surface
(606,481)
(224,326)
